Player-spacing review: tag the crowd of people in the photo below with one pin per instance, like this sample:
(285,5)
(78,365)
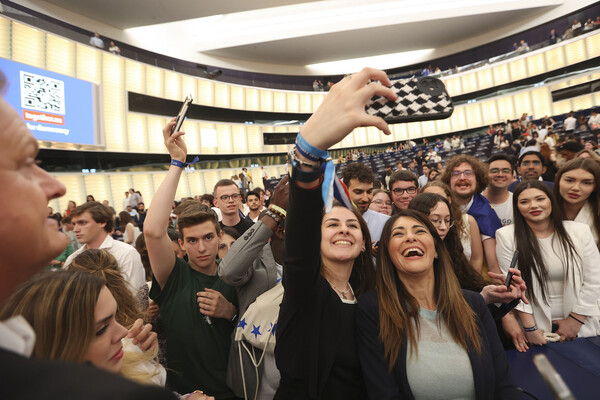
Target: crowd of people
(311,292)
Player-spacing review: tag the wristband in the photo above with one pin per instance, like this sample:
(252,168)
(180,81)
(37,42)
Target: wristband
(531,329)
(279,210)
(182,164)
(309,151)
(577,319)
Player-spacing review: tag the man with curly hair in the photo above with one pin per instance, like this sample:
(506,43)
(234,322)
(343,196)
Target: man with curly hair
(467,177)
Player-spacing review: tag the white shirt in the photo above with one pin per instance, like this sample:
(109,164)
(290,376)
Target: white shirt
(129,260)
(375,221)
(447,145)
(594,120)
(570,123)
(505,210)
(549,141)
(17,335)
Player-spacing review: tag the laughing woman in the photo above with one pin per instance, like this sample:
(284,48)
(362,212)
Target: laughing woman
(419,324)
(559,263)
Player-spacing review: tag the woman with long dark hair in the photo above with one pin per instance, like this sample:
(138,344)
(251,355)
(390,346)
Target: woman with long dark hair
(577,191)
(328,263)
(419,323)
(559,263)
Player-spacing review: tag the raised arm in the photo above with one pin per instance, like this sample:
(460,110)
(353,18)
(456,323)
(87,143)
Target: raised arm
(342,110)
(158,243)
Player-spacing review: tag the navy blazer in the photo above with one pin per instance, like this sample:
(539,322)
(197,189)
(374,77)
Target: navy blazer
(490,368)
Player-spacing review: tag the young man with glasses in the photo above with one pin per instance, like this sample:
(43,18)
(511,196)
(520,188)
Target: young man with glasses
(531,165)
(228,201)
(403,187)
(359,179)
(500,175)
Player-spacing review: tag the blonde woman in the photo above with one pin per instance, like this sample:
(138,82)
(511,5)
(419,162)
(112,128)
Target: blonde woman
(73,315)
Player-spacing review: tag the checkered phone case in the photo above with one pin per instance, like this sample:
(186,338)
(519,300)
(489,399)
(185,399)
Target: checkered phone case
(419,99)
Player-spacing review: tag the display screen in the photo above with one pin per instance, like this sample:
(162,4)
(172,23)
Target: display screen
(55,107)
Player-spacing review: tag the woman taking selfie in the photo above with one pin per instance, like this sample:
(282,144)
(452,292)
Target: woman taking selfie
(560,265)
(577,191)
(328,262)
(419,323)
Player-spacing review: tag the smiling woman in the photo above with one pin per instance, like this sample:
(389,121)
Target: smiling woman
(418,323)
(560,265)
(577,191)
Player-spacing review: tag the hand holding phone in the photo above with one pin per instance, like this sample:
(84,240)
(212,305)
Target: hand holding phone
(509,275)
(182,113)
(419,99)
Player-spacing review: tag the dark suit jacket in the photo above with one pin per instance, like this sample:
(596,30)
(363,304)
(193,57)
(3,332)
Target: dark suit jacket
(490,369)
(24,378)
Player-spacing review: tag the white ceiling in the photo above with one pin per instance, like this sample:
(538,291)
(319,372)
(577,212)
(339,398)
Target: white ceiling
(291,35)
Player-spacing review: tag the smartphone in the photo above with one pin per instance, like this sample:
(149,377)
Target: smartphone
(419,99)
(181,116)
(513,264)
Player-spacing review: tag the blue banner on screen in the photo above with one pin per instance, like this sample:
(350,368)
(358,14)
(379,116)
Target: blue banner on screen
(55,107)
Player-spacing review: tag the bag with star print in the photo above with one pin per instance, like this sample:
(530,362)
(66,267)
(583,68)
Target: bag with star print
(258,324)
(255,336)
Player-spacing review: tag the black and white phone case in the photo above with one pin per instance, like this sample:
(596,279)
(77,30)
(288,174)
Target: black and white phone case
(419,99)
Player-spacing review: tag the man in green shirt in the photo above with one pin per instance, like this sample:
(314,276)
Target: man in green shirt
(196,307)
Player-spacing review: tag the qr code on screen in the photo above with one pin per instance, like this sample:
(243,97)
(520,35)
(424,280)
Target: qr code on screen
(42,93)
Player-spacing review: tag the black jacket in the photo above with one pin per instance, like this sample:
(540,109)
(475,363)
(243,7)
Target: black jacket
(490,368)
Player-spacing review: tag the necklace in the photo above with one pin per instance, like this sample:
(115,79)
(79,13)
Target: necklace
(343,293)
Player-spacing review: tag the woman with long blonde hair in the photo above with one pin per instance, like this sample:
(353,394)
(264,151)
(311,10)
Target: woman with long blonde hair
(73,315)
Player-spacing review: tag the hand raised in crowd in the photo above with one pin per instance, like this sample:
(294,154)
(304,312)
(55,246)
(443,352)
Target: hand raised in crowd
(174,142)
(513,330)
(500,294)
(214,304)
(142,335)
(152,310)
(343,109)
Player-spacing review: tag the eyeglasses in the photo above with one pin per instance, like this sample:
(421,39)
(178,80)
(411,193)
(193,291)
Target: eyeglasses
(466,172)
(409,190)
(381,203)
(226,197)
(496,171)
(438,222)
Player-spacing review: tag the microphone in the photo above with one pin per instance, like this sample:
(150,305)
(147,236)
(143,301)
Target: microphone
(554,381)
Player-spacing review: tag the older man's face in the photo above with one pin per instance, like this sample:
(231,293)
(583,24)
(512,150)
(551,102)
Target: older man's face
(29,242)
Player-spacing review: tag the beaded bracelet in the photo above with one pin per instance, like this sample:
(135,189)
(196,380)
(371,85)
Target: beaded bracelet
(276,217)
(531,329)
